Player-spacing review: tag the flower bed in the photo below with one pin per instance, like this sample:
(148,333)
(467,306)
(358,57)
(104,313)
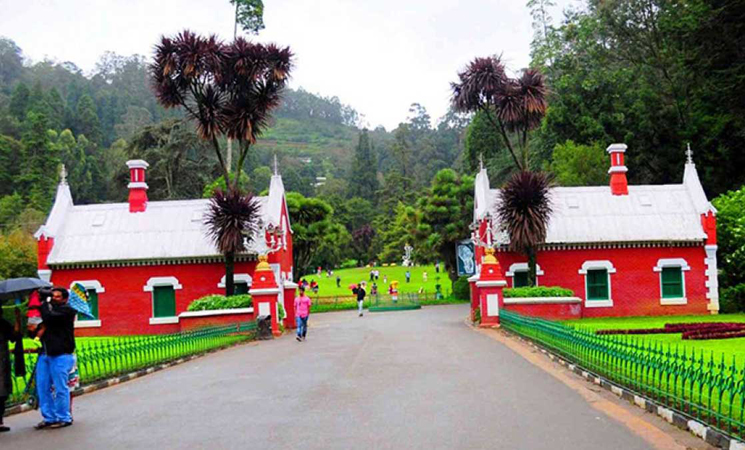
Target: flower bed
(694,331)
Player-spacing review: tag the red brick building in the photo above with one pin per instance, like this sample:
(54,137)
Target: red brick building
(143,262)
(624,250)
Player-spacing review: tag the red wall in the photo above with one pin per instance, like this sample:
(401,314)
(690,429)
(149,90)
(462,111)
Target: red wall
(635,287)
(125,308)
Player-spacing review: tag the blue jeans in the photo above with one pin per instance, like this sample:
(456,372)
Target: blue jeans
(302,325)
(54,371)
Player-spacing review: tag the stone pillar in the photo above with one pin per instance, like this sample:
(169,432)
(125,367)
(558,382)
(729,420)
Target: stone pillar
(265,292)
(490,285)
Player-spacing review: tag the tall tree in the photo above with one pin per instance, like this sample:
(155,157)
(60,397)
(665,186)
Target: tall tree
(38,176)
(19,101)
(364,173)
(226,89)
(249,14)
(87,122)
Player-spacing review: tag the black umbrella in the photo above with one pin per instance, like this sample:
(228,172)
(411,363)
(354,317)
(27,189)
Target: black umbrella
(18,287)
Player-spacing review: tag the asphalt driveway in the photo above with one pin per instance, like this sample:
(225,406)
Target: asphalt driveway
(410,379)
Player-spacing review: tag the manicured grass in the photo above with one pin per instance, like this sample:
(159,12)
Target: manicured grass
(327,286)
(727,347)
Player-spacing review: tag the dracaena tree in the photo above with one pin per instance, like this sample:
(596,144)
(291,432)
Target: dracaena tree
(231,217)
(523,210)
(514,106)
(227,89)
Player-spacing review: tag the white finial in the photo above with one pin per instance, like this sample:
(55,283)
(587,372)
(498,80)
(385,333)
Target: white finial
(689,155)
(481,162)
(276,166)
(63,175)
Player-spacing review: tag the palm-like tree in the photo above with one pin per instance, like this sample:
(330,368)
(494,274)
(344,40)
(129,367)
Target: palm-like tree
(524,211)
(227,89)
(231,219)
(514,106)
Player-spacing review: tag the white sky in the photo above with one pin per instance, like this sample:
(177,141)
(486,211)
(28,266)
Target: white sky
(378,56)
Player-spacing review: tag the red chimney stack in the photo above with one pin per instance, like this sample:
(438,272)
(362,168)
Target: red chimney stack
(137,186)
(618,183)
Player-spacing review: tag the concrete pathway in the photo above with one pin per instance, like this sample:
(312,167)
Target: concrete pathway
(410,379)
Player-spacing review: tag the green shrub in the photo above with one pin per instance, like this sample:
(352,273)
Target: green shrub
(732,300)
(538,291)
(213,302)
(477,316)
(462,289)
(349,264)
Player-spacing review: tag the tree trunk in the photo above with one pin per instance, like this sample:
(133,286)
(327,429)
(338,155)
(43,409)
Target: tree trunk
(451,262)
(229,268)
(530,253)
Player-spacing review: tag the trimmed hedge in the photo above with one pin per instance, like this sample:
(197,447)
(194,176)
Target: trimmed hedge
(213,302)
(538,291)
(461,289)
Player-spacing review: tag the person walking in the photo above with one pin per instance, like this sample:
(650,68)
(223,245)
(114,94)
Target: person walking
(338,281)
(302,309)
(56,360)
(8,333)
(360,292)
(408,276)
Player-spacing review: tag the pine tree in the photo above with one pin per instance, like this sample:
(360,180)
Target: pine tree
(39,171)
(87,122)
(19,102)
(364,174)
(56,109)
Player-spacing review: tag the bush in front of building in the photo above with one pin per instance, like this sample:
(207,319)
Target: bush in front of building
(213,302)
(461,289)
(538,291)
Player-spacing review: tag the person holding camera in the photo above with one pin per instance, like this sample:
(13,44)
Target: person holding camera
(56,360)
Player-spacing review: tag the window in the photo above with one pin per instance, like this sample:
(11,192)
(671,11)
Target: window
(597,284)
(672,280)
(164,301)
(241,288)
(92,304)
(520,279)
(519,274)
(163,291)
(598,290)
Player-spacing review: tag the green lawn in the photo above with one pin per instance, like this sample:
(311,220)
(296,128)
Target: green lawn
(727,347)
(327,286)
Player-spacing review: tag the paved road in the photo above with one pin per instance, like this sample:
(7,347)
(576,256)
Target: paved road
(411,379)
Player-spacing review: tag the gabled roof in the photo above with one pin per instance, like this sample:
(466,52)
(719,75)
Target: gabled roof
(649,213)
(165,230)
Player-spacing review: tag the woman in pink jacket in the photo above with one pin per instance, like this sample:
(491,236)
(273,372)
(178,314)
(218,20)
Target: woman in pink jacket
(302,311)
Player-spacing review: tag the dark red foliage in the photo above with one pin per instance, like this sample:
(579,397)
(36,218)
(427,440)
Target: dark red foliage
(227,88)
(231,217)
(698,331)
(524,209)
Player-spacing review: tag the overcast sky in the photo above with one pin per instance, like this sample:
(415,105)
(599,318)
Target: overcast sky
(378,56)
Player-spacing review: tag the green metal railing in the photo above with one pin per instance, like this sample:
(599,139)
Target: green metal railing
(334,303)
(404,301)
(106,357)
(702,386)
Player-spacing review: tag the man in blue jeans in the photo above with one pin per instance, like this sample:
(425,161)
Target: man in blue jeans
(56,360)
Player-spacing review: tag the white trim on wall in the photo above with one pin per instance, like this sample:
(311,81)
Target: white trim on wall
(712,277)
(593,265)
(162,281)
(523,267)
(237,278)
(684,267)
(163,320)
(90,284)
(87,323)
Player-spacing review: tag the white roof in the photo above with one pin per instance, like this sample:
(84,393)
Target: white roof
(165,230)
(649,213)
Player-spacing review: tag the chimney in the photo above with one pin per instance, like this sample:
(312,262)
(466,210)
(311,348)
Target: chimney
(618,183)
(137,186)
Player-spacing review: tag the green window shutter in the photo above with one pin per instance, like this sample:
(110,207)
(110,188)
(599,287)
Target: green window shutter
(241,288)
(672,282)
(520,279)
(164,301)
(92,303)
(597,284)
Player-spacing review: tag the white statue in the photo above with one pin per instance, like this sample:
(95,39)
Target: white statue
(407,255)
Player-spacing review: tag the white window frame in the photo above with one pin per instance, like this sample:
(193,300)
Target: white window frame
(98,287)
(149,287)
(237,278)
(684,267)
(523,267)
(598,265)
